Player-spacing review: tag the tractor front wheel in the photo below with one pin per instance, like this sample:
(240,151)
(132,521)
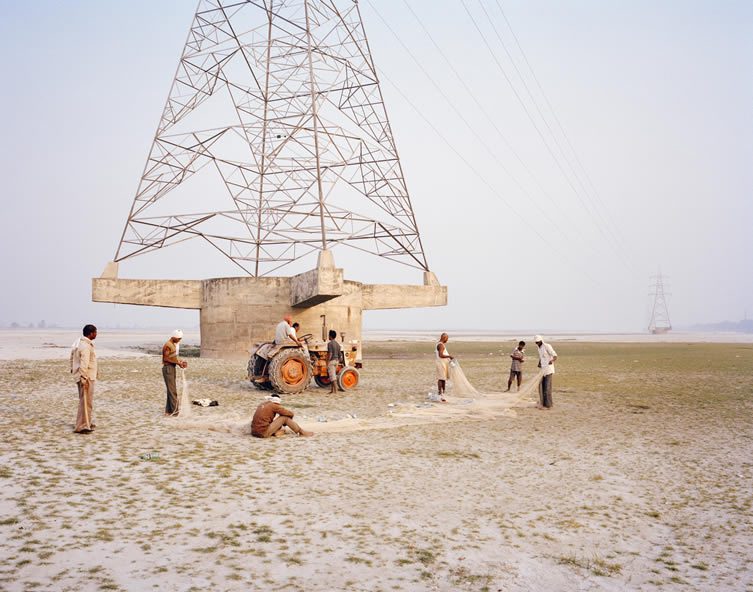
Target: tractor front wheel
(348,378)
(290,371)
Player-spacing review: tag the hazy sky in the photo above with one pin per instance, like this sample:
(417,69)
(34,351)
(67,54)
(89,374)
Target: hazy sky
(655,97)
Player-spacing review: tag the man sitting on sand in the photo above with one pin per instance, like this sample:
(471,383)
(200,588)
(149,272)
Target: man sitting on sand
(270,419)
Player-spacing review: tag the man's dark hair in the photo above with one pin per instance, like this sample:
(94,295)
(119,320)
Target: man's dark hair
(296,325)
(332,334)
(521,342)
(88,330)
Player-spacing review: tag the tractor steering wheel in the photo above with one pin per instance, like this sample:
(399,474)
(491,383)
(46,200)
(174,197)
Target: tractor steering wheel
(306,337)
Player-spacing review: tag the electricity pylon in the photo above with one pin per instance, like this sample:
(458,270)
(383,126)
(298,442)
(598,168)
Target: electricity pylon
(659,322)
(278,103)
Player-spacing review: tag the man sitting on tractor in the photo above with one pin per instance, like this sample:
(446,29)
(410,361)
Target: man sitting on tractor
(284,331)
(270,419)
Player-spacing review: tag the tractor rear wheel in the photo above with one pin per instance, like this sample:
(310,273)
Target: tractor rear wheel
(290,371)
(256,367)
(348,378)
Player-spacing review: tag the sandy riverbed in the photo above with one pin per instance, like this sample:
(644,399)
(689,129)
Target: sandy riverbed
(639,479)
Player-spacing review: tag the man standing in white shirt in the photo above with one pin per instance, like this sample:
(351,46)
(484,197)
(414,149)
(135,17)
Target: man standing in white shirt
(84,370)
(547,357)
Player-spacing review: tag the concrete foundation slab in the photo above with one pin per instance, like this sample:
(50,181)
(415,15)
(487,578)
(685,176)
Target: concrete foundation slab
(238,312)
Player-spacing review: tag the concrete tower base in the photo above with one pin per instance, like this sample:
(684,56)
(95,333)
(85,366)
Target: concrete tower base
(238,312)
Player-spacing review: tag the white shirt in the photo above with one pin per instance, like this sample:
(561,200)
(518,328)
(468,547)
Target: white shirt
(436,351)
(282,332)
(546,355)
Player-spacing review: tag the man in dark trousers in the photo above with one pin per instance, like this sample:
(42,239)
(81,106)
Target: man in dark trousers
(270,419)
(333,357)
(516,368)
(547,357)
(170,361)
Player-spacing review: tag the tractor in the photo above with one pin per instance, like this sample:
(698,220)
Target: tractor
(288,368)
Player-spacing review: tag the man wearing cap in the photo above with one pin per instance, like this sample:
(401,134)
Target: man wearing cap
(170,360)
(270,419)
(547,357)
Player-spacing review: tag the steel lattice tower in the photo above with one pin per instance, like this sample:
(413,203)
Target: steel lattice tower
(659,322)
(280,101)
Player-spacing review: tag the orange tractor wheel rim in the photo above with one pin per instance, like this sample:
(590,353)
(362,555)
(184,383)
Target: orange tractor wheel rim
(293,371)
(349,379)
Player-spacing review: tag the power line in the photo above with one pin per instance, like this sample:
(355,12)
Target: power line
(491,121)
(475,134)
(478,174)
(538,130)
(599,200)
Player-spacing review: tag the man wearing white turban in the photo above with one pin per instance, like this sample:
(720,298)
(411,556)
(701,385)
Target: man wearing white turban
(170,360)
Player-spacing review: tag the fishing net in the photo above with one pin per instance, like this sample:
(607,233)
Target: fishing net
(184,404)
(460,386)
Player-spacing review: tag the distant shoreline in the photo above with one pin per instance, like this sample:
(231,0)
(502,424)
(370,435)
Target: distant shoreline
(55,343)
(597,337)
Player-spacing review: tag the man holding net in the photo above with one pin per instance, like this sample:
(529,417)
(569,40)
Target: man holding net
(170,361)
(547,357)
(516,368)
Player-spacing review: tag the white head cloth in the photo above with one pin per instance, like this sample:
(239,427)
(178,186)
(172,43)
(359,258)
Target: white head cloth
(538,338)
(178,334)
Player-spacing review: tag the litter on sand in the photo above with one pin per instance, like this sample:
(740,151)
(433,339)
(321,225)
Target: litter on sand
(149,456)
(206,402)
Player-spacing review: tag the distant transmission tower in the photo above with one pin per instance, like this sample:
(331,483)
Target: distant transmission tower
(660,313)
(276,123)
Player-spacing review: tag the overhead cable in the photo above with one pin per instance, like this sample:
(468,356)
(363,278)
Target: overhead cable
(554,113)
(480,140)
(491,121)
(539,132)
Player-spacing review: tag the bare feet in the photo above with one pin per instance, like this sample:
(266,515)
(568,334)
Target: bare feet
(305,433)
